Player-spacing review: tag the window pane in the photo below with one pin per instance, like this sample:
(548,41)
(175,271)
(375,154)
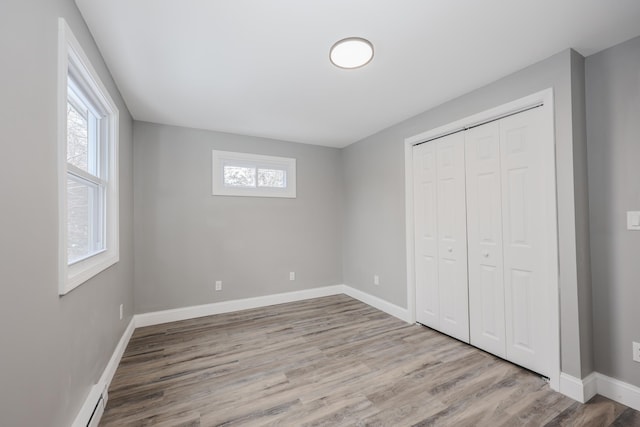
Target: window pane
(275,178)
(237,176)
(84,220)
(77,137)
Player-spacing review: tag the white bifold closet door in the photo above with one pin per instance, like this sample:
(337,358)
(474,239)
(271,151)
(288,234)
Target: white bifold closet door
(441,236)
(507,230)
(484,231)
(525,232)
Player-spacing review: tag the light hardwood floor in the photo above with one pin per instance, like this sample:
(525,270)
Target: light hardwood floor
(330,361)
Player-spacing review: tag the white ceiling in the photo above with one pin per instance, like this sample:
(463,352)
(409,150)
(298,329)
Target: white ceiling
(261,67)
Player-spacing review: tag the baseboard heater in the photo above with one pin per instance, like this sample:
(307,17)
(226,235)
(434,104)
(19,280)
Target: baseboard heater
(93,408)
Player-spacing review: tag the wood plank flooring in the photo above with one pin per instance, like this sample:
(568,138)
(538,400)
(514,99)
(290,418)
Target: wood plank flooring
(330,361)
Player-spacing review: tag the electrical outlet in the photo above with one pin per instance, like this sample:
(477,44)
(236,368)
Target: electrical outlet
(633,220)
(376,280)
(218,285)
(292,275)
(636,351)
(121,310)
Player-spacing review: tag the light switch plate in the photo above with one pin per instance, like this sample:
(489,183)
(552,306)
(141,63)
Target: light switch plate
(633,220)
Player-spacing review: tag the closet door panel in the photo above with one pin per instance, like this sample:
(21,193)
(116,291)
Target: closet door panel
(426,237)
(524,234)
(452,236)
(484,230)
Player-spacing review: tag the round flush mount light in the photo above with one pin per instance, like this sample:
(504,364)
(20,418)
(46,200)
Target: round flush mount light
(352,52)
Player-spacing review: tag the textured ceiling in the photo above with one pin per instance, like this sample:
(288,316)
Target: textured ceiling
(261,67)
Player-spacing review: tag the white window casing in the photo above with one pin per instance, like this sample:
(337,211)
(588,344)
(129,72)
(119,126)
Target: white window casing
(79,87)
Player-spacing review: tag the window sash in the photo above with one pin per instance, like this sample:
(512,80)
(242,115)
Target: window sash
(96,234)
(74,170)
(256,165)
(255,172)
(96,132)
(92,176)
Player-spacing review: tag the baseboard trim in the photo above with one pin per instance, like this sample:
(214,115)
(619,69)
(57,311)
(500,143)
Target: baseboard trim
(112,366)
(584,389)
(99,390)
(590,386)
(379,303)
(617,390)
(184,313)
(578,389)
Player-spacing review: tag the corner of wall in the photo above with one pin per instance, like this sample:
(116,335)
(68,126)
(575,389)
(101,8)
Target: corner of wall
(581,194)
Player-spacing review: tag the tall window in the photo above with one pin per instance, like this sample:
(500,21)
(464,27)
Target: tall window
(85,178)
(88,143)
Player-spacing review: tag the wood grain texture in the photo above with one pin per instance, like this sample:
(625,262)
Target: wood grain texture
(330,361)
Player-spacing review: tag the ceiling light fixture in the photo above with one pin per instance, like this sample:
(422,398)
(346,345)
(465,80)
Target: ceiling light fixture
(352,52)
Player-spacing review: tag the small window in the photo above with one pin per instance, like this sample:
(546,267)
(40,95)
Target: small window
(88,190)
(243,174)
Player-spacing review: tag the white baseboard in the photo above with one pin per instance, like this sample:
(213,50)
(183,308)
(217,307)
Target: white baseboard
(578,389)
(165,316)
(380,304)
(595,383)
(112,366)
(99,390)
(590,386)
(184,313)
(619,391)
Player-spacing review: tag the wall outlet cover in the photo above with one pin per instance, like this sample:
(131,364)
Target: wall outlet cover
(633,220)
(636,351)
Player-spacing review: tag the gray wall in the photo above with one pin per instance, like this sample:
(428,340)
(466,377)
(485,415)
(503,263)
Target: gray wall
(581,195)
(53,349)
(185,238)
(613,124)
(374,228)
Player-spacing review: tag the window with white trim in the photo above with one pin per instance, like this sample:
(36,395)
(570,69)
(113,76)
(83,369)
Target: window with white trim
(245,174)
(88,168)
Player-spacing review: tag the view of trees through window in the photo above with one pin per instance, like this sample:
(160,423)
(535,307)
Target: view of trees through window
(78,244)
(249,177)
(77,137)
(83,196)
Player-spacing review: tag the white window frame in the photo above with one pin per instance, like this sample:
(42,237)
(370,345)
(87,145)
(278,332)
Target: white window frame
(258,161)
(73,60)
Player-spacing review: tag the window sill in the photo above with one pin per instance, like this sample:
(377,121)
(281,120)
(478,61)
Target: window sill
(81,271)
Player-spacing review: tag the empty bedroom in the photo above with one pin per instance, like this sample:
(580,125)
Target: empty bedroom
(335,213)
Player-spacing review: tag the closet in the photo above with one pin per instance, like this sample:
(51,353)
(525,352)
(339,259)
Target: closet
(481,233)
